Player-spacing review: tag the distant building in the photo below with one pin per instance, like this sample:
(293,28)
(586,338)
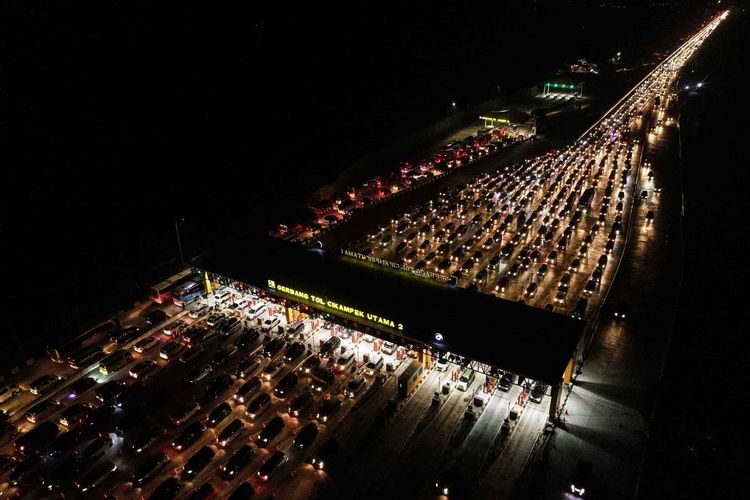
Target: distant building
(583,66)
(510,122)
(562,86)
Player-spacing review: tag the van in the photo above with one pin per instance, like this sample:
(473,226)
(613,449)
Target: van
(258,405)
(388,347)
(374,365)
(345,361)
(222,295)
(256,310)
(295,330)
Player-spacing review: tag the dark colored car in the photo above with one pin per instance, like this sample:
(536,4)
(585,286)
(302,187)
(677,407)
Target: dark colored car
(230,432)
(68,470)
(247,338)
(82,385)
(167,489)
(272,429)
(273,347)
(149,467)
(198,462)
(327,452)
(581,481)
(327,408)
(97,448)
(240,459)
(294,351)
(247,390)
(244,491)
(272,465)
(286,385)
(146,439)
(65,441)
(218,415)
(248,366)
(190,435)
(306,436)
(310,363)
(300,402)
(155,317)
(506,381)
(96,476)
(205,492)
(217,387)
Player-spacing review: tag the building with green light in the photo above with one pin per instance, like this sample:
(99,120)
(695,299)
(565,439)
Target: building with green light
(562,87)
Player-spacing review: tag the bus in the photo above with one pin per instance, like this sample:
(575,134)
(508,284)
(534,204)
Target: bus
(467,377)
(188,292)
(37,439)
(114,362)
(584,203)
(410,379)
(162,292)
(85,356)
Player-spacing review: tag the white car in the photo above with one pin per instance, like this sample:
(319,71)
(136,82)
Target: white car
(368,338)
(144,345)
(388,347)
(175,327)
(198,312)
(269,324)
(442,365)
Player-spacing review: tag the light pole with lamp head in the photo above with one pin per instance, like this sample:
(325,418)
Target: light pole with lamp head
(177,222)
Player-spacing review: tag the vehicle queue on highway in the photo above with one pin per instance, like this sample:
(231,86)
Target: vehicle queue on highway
(195,404)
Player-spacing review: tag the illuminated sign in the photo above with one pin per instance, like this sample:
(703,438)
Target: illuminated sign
(395,265)
(439,337)
(324,302)
(492,119)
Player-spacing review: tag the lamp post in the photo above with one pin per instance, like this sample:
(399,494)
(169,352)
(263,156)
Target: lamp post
(179,243)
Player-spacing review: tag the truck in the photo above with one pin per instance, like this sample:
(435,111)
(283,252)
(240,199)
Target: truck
(410,379)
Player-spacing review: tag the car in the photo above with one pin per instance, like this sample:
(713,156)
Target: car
(191,354)
(97,448)
(644,195)
(74,414)
(300,402)
(190,435)
(294,351)
(9,392)
(306,436)
(272,429)
(198,312)
(239,460)
(110,391)
(622,311)
(55,480)
(354,386)
(273,369)
(442,364)
(258,405)
(197,462)
(218,385)
(244,491)
(44,383)
(142,369)
(65,441)
(81,385)
(531,290)
(199,373)
(327,408)
(502,284)
(41,410)
(184,412)
(145,344)
(216,319)
(649,217)
(205,492)
(388,347)
(325,454)
(147,438)
(250,387)
(218,414)
(542,272)
(273,347)
(247,338)
(574,265)
(170,350)
(374,365)
(224,355)
(580,483)
(230,432)
(167,489)
(230,326)
(175,327)
(96,476)
(269,324)
(552,257)
(537,393)
(505,383)
(310,363)
(286,385)
(126,335)
(156,317)
(149,467)
(272,465)
(249,366)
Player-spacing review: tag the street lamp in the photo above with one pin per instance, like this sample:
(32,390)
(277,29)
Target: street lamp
(179,243)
